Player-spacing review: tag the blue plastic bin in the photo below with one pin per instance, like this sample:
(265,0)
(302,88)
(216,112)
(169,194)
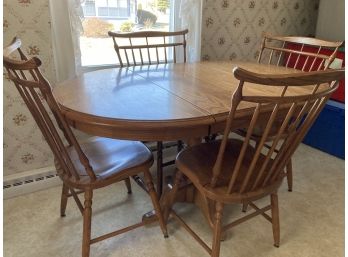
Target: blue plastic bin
(327,133)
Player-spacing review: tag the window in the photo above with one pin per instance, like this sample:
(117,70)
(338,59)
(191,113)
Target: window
(102,16)
(89,9)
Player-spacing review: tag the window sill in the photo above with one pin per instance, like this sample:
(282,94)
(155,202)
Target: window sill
(98,67)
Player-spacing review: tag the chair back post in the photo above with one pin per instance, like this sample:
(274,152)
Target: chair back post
(262,47)
(117,49)
(296,113)
(311,60)
(184,41)
(35,91)
(236,98)
(136,50)
(332,57)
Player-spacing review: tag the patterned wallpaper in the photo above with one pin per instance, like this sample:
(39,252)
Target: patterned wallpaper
(232,28)
(24,146)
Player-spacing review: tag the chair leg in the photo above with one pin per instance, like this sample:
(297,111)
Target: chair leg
(289,175)
(217,230)
(180,145)
(245,207)
(128,185)
(64,199)
(159,168)
(155,202)
(275,219)
(87,222)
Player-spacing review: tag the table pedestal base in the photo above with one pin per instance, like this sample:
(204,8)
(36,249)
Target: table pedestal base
(186,194)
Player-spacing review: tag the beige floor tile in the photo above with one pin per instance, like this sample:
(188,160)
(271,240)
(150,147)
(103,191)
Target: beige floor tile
(312,221)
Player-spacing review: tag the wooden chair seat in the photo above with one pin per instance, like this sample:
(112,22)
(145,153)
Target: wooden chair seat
(112,160)
(197,164)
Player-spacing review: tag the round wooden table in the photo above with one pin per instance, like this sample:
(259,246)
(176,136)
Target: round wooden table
(155,102)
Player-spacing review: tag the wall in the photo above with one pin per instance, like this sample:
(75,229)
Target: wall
(24,146)
(330,24)
(232,29)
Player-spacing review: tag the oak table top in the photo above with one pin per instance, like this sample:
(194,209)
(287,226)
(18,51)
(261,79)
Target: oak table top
(155,102)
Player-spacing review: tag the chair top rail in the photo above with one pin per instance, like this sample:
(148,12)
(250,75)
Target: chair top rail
(29,64)
(305,40)
(150,46)
(147,34)
(289,79)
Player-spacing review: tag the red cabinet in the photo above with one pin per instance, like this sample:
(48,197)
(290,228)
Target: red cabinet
(339,94)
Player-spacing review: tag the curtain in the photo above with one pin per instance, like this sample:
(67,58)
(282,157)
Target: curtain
(188,15)
(66,23)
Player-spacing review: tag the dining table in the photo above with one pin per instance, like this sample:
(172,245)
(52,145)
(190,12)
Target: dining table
(181,101)
(160,102)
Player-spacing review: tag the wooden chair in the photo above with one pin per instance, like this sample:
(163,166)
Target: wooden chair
(86,166)
(302,53)
(146,48)
(231,171)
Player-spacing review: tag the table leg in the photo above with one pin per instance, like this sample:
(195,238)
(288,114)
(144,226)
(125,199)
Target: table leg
(140,182)
(159,168)
(161,164)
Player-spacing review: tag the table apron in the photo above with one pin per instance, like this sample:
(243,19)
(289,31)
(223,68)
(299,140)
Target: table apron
(142,133)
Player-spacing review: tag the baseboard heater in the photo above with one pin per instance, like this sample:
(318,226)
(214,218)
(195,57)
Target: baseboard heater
(30,181)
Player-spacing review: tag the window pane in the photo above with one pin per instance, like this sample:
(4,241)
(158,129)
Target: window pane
(112,3)
(89,9)
(102,16)
(103,11)
(101,2)
(122,3)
